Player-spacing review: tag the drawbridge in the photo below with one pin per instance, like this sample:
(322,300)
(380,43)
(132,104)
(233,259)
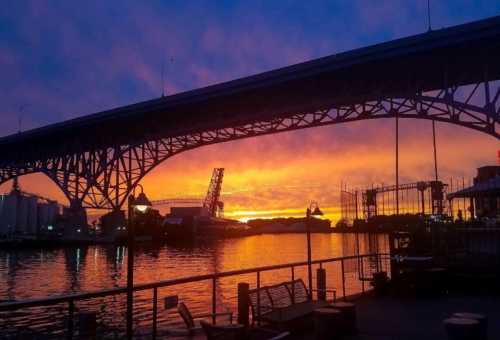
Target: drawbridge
(212,201)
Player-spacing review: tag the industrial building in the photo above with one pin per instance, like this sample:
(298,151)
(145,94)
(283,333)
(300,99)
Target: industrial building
(26,215)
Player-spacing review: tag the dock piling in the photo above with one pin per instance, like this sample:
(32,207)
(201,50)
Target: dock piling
(243,303)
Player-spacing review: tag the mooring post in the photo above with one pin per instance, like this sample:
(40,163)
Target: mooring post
(321,283)
(243,303)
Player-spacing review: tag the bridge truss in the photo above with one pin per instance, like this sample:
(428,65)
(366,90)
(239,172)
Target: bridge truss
(103,178)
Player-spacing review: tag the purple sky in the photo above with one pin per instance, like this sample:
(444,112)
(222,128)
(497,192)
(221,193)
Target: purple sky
(63,60)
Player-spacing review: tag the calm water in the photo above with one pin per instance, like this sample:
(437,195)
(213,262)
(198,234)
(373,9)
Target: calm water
(46,272)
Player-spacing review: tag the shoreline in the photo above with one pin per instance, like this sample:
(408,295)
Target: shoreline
(55,243)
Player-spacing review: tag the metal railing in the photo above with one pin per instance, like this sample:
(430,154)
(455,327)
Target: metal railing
(378,259)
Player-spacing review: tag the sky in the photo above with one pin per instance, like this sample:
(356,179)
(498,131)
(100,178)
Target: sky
(60,60)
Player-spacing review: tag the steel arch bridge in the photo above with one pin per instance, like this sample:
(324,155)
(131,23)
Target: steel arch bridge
(451,75)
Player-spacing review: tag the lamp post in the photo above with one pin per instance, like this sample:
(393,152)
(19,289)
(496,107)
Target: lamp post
(309,213)
(141,204)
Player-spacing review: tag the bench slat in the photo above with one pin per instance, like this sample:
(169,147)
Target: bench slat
(298,288)
(280,296)
(266,304)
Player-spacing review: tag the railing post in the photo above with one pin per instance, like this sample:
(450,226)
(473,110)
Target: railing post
(214,299)
(321,283)
(71,313)
(243,303)
(343,277)
(155,311)
(258,298)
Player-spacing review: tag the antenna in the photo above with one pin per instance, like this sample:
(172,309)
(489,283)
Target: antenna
(429,27)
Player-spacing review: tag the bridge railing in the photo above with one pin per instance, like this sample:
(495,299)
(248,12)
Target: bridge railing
(350,275)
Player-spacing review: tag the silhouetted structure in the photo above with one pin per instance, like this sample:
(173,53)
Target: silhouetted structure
(484,195)
(212,203)
(99,159)
(424,198)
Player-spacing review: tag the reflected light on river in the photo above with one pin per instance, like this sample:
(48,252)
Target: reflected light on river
(28,273)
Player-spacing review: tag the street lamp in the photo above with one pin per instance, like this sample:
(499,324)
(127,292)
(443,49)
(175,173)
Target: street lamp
(141,204)
(309,213)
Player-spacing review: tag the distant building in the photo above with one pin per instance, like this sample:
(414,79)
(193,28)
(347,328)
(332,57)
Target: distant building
(113,222)
(75,223)
(486,173)
(487,187)
(31,215)
(47,215)
(25,215)
(484,195)
(8,214)
(22,215)
(177,212)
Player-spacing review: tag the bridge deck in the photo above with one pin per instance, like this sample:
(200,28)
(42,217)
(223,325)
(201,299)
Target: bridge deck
(389,67)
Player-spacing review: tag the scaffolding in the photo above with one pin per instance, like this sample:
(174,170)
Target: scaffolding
(423,198)
(349,206)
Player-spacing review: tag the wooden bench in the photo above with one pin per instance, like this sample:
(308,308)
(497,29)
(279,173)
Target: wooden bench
(284,302)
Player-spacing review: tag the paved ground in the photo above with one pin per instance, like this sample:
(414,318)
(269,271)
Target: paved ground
(420,318)
(410,318)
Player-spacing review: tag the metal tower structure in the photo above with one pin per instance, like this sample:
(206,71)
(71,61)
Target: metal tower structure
(371,199)
(212,203)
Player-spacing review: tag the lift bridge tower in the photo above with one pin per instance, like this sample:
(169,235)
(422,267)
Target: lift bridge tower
(212,201)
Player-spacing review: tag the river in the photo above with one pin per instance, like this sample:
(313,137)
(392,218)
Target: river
(33,273)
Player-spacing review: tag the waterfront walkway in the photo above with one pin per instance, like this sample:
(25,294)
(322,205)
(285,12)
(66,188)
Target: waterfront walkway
(391,318)
(411,318)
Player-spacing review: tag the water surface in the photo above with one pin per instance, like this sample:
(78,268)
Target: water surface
(30,273)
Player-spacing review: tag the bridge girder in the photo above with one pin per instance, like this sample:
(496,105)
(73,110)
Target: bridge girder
(103,179)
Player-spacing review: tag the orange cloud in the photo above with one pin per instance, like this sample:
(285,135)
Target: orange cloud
(279,175)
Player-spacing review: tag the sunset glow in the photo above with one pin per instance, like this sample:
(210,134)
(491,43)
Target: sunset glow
(278,176)
(267,176)
(249,169)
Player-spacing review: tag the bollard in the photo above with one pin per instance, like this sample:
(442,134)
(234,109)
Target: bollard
(321,283)
(327,324)
(462,329)
(483,323)
(243,303)
(348,313)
